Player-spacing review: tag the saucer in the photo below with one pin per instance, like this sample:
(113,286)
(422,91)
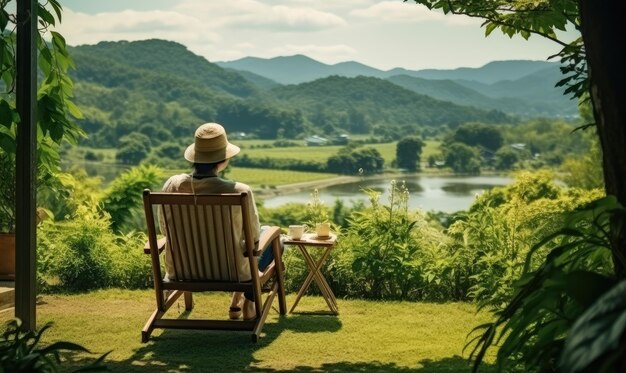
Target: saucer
(321,238)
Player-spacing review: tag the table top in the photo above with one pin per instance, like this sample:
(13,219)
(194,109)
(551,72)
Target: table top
(311,239)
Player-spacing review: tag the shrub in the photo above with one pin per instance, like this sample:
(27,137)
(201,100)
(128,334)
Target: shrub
(493,239)
(566,314)
(123,198)
(83,253)
(76,252)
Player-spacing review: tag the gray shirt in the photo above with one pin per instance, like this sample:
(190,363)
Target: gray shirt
(182,184)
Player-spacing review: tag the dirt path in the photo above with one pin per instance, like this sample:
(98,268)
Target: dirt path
(310,185)
(307,185)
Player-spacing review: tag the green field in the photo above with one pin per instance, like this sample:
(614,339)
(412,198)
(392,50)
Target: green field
(321,153)
(256,177)
(108,168)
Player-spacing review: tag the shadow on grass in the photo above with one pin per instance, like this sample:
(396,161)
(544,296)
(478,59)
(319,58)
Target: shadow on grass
(215,351)
(238,358)
(454,364)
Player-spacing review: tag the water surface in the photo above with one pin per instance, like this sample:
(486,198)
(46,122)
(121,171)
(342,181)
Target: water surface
(437,193)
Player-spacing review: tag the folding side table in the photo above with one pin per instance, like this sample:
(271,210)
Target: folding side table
(310,241)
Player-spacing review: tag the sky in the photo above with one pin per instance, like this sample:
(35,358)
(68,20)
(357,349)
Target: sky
(381,34)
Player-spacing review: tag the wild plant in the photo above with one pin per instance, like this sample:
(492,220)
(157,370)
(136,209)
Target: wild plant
(567,314)
(387,245)
(317,211)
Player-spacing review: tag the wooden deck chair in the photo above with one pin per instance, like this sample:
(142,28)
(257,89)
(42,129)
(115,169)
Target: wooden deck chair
(205,257)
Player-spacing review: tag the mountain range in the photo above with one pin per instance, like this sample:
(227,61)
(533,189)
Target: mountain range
(525,88)
(161,89)
(299,69)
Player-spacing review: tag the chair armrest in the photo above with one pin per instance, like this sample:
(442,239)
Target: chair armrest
(160,246)
(268,236)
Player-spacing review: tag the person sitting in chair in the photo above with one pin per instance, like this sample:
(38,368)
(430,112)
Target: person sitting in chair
(210,154)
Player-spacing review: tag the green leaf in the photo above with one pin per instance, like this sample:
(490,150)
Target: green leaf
(489,28)
(597,331)
(357,265)
(45,16)
(585,287)
(58,40)
(6,114)
(58,9)
(73,109)
(65,346)
(4,20)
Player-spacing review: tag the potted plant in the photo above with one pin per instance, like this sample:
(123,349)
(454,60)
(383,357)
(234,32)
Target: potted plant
(7,216)
(318,215)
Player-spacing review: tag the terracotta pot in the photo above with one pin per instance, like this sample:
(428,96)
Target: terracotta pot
(7,256)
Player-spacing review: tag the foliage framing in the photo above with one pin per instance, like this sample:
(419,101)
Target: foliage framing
(55,89)
(525,18)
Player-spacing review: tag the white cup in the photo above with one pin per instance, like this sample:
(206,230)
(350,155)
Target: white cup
(296,231)
(322,229)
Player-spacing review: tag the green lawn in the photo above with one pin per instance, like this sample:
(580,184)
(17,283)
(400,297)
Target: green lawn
(366,337)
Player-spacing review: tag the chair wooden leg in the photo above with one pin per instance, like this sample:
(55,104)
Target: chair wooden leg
(188,301)
(280,279)
(169,300)
(256,332)
(149,327)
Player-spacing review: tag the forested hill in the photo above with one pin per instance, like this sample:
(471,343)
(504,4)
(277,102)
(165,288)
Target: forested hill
(171,58)
(162,90)
(378,102)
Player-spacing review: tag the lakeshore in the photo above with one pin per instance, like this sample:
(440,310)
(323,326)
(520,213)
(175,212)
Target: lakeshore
(427,191)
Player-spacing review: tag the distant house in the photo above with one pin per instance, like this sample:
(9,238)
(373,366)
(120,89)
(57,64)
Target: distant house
(341,140)
(237,135)
(315,141)
(518,146)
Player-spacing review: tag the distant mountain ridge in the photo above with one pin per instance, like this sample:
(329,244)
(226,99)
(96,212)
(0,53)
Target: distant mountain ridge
(519,87)
(299,69)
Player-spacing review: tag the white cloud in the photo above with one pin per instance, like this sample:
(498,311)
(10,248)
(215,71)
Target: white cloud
(378,33)
(251,14)
(81,28)
(396,11)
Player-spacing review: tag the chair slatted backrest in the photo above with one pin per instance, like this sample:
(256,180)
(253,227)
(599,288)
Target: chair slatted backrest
(202,234)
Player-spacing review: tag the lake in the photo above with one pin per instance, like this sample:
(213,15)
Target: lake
(438,193)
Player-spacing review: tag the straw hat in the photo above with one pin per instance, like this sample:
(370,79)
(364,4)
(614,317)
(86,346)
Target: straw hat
(210,145)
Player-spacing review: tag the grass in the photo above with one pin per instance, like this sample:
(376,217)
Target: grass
(366,337)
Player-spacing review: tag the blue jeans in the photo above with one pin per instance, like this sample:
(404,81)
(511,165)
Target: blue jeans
(266,258)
